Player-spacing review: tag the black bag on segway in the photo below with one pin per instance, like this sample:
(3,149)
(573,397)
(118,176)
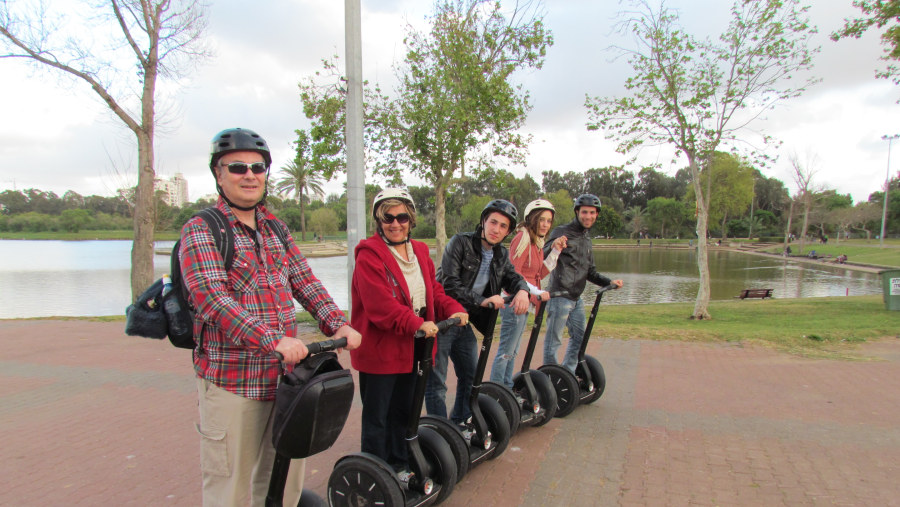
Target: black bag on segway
(311,406)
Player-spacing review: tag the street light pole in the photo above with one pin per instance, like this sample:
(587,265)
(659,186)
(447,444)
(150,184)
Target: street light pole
(887,181)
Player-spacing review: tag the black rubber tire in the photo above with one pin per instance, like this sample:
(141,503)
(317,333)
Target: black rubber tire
(443,465)
(309,498)
(451,434)
(356,480)
(496,423)
(508,403)
(599,378)
(566,387)
(546,395)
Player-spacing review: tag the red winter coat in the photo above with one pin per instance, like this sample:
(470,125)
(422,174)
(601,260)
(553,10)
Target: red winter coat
(382,311)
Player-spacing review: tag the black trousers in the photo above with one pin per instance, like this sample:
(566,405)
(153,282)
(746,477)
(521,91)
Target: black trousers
(387,402)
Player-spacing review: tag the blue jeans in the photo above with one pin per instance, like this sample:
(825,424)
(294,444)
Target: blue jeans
(511,328)
(564,312)
(458,344)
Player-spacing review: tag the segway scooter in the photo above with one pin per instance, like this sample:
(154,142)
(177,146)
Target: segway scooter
(363,479)
(589,371)
(488,429)
(532,390)
(312,403)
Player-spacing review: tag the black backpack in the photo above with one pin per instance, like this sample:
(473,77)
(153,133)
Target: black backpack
(157,315)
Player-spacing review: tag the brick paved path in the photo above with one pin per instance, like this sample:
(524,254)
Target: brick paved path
(90,417)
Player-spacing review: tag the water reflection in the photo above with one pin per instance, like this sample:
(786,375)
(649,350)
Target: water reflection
(84,278)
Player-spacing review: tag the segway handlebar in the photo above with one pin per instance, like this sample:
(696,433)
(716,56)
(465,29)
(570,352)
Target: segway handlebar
(442,326)
(507,300)
(322,346)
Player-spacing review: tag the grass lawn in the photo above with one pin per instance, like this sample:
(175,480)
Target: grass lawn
(856,250)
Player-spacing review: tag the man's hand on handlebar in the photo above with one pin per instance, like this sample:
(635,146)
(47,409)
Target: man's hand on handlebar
(292,349)
(496,300)
(520,302)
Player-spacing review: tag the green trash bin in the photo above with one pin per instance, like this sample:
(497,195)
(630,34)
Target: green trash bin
(890,283)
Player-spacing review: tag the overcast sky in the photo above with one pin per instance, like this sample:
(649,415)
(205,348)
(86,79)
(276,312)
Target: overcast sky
(56,135)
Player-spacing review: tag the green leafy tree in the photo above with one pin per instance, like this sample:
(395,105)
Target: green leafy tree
(693,95)
(300,177)
(666,212)
(73,220)
(608,222)
(457,102)
(120,52)
(323,221)
(731,189)
(562,202)
(878,14)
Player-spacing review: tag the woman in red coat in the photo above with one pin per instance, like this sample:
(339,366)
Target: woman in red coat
(394,294)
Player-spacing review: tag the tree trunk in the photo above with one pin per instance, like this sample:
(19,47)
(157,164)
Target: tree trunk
(440,230)
(787,232)
(302,218)
(144,218)
(806,204)
(701,306)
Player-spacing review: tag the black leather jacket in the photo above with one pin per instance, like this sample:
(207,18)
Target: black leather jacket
(576,262)
(459,267)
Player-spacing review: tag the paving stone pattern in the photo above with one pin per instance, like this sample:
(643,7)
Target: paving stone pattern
(89,416)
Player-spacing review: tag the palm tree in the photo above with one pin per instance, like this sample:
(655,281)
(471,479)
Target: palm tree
(636,217)
(299,178)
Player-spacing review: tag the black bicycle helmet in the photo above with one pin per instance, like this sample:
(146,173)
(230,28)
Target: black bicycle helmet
(503,207)
(237,139)
(586,200)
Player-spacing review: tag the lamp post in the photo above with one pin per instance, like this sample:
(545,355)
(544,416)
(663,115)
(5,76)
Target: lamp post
(887,180)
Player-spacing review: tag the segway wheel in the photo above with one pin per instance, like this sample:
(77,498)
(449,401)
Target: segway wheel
(443,465)
(508,403)
(454,438)
(566,386)
(496,423)
(358,480)
(545,393)
(598,377)
(309,498)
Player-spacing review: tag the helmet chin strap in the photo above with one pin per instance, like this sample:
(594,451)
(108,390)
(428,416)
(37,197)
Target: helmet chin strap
(484,238)
(392,243)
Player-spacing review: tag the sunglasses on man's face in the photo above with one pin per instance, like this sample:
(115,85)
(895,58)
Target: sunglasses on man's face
(241,167)
(402,218)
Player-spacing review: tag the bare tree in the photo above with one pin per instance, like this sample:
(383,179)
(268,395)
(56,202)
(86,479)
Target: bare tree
(161,35)
(804,170)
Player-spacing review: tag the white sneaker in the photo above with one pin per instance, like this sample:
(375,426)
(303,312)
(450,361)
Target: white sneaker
(404,476)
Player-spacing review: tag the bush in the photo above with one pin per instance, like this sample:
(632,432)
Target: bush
(424,231)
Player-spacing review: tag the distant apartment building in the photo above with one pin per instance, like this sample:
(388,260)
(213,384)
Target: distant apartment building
(175,190)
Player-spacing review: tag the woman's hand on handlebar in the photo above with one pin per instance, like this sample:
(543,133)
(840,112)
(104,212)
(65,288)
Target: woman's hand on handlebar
(463,318)
(292,349)
(352,335)
(429,328)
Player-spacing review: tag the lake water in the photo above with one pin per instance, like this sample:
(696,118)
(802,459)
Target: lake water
(91,278)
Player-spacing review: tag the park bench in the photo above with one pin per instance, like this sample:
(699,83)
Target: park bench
(755,294)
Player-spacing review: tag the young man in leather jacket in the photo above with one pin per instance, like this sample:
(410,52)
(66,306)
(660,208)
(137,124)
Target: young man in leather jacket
(474,269)
(574,268)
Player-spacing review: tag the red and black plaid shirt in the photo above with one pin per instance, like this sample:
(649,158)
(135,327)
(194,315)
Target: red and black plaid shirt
(243,313)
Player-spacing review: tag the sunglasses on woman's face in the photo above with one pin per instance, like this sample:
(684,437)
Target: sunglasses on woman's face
(241,167)
(402,218)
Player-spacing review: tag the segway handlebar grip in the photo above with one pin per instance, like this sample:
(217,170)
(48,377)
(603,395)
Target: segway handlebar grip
(609,287)
(316,347)
(442,326)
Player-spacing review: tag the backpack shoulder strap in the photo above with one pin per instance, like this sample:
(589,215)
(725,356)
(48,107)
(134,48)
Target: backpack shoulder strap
(281,233)
(220,229)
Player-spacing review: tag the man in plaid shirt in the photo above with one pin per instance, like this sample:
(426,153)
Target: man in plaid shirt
(244,315)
